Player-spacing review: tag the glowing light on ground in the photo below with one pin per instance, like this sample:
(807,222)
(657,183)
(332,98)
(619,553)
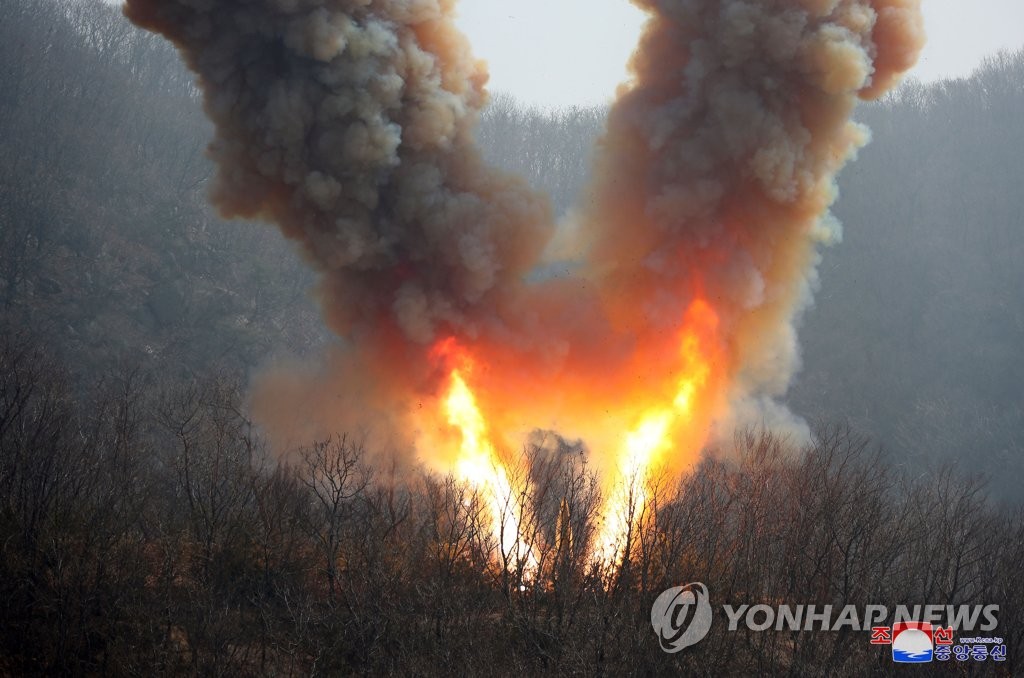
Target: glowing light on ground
(647,444)
(479,464)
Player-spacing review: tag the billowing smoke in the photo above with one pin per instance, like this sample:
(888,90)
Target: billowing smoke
(719,165)
(349,123)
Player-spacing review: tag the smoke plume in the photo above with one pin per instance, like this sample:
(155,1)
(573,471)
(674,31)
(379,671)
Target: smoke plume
(718,168)
(349,124)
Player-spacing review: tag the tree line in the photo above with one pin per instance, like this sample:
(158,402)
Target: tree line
(145,528)
(915,339)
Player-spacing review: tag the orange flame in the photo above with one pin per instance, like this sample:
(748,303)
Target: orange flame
(478,462)
(660,429)
(663,434)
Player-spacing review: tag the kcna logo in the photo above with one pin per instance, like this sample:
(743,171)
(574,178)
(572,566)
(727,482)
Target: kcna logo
(912,642)
(681,616)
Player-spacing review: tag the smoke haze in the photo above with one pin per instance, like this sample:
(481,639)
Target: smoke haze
(350,125)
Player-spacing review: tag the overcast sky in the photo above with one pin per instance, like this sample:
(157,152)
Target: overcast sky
(560,52)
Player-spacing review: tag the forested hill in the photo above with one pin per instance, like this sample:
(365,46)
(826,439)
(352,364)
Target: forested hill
(146,530)
(108,247)
(109,250)
(917,335)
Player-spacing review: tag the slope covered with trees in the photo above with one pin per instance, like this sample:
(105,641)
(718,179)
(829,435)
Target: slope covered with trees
(146,531)
(917,335)
(107,244)
(145,528)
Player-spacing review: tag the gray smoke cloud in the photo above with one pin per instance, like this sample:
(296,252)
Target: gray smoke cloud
(349,123)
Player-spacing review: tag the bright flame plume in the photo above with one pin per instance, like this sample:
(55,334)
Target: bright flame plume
(659,431)
(479,464)
(351,125)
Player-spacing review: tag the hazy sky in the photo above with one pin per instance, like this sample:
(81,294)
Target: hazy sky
(559,52)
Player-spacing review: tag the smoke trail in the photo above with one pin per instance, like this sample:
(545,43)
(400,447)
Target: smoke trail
(719,163)
(349,124)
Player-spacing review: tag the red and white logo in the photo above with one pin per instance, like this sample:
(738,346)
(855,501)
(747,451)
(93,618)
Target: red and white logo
(912,642)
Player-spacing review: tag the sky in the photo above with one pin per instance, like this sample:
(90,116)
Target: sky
(574,52)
